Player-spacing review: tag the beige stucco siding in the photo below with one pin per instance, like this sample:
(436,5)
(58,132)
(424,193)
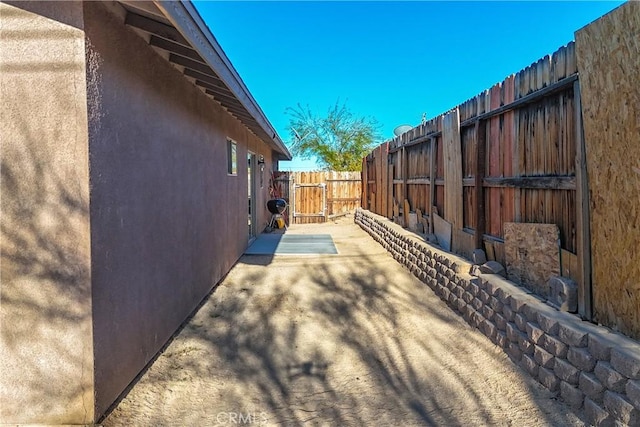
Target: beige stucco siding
(46,358)
(167,220)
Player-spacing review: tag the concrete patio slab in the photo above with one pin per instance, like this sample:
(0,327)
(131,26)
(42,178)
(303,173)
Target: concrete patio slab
(292,244)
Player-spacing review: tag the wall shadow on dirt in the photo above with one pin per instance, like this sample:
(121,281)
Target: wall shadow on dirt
(285,348)
(367,313)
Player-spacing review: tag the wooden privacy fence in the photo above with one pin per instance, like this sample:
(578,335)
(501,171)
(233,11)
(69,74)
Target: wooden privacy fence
(317,196)
(508,155)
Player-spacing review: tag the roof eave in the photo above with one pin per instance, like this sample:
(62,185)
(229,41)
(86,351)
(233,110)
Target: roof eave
(186,19)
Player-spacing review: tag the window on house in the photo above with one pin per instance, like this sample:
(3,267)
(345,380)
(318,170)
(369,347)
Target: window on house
(232,158)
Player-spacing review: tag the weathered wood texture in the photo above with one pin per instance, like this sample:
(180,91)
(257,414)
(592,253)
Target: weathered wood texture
(525,156)
(532,254)
(528,159)
(341,193)
(453,210)
(477,219)
(364,195)
(279,185)
(443,232)
(569,263)
(417,176)
(608,54)
(583,231)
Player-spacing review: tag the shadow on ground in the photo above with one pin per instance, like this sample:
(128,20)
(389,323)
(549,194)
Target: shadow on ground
(352,340)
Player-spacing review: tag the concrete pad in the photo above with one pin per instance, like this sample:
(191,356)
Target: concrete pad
(286,244)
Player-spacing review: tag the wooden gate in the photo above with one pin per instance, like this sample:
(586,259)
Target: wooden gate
(309,201)
(318,196)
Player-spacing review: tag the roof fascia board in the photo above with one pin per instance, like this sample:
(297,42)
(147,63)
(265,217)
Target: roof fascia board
(186,19)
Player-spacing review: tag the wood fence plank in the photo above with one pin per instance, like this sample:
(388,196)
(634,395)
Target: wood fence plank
(406,209)
(481,147)
(561,71)
(427,191)
(572,65)
(546,71)
(517,144)
(453,173)
(384,180)
(365,185)
(405,173)
(493,144)
(539,74)
(389,190)
(508,127)
(432,181)
(379,181)
(583,233)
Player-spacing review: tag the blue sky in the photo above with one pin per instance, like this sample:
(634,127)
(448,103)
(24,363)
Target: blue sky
(392,61)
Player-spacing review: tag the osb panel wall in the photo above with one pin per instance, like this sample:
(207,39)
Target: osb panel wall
(532,254)
(608,52)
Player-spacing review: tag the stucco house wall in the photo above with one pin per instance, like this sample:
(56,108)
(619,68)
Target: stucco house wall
(46,357)
(118,214)
(167,219)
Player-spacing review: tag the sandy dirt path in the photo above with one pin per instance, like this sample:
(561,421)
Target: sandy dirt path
(333,340)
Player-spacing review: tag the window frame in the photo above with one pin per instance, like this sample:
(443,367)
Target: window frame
(232,157)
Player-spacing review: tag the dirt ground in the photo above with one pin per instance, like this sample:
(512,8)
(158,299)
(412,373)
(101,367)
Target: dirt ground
(333,340)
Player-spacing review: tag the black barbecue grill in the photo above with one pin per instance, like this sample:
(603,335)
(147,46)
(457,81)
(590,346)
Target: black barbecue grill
(277,207)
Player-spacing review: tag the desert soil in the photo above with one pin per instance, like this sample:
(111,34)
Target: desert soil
(333,340)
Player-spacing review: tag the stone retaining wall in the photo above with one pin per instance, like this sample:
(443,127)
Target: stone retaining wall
(589,366)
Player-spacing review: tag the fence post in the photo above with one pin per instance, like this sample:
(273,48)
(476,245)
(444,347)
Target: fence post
(452,149)
(432,181)
(365,185)
(481,148)
(292,195)
(390,185)
(384,180)
(379,166)
(583,234)
(405,189)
